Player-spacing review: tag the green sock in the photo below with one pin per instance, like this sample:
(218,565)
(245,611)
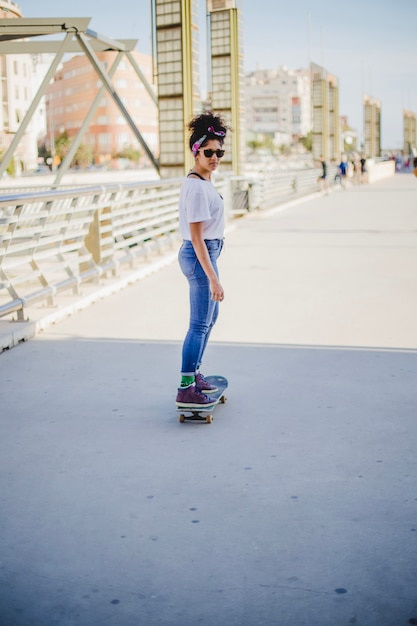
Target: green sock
(186,381)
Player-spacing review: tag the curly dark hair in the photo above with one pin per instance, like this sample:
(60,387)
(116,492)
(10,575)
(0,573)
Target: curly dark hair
(200,125)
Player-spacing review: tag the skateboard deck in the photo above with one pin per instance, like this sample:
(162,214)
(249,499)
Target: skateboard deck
(205,413)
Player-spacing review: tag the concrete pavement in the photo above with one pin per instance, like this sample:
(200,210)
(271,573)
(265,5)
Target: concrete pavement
(296,507)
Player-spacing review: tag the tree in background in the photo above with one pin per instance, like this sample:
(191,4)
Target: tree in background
(307,141)
(130,153)
(11,168)
(83,157)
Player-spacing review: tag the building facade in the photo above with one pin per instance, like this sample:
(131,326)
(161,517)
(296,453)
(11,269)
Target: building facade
(372,126)
(177,42)
(349,138)
(410,132)
(226,89)
(16,93)
(70,96)
(278,104)
(325,111)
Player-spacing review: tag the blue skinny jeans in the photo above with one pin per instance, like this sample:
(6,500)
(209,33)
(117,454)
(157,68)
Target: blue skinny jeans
(203,310)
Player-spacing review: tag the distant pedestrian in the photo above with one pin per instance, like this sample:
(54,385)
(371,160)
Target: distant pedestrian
(364,171)
(322,180)
(343,171)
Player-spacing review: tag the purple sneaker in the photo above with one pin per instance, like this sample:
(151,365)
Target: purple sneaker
(204,386)
(191,397)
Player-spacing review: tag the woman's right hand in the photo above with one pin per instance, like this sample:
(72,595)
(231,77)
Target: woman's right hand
(216,290)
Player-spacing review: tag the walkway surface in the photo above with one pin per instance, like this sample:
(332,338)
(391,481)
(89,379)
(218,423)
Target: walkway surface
(296,507)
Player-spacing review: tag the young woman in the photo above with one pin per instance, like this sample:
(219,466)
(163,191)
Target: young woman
(201,217)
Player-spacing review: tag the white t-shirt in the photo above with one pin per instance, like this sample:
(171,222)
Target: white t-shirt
(201,202)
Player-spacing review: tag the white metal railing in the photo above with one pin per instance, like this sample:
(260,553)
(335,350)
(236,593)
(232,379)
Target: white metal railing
(54,240)
(275,186)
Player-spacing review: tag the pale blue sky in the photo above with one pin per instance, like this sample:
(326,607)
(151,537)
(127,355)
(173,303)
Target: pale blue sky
(369,46)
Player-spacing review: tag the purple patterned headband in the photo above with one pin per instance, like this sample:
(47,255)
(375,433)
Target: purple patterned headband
(218,133)
(197,144)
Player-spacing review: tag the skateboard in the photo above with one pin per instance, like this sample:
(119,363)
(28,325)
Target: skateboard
(204,413)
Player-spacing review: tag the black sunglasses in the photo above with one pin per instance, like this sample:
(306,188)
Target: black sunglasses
(209,153)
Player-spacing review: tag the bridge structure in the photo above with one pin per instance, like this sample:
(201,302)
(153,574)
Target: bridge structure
(38,35)
(296,506)
(73,238)
(175,50)
(57,238)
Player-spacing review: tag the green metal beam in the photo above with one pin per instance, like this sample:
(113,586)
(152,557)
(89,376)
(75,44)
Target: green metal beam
(86,122)
(77,140)
(34,104)
(108,85)
(35,47)
(19,28)
(142,78)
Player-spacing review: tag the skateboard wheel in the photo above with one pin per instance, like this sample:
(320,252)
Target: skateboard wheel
(222,399)
(181,418)
(209,419)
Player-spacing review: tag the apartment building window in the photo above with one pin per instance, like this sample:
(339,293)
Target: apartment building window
(122,139)
(261,110)
(104,139)
(16,92)
(15,68)
(103,120)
